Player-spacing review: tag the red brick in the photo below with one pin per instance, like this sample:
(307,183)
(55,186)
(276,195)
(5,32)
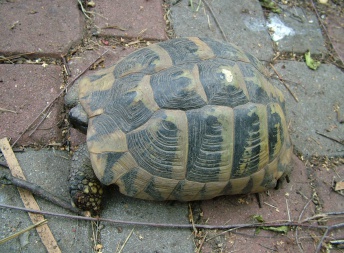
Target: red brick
(27,90)
(241,209)
(42,28)
(133,16)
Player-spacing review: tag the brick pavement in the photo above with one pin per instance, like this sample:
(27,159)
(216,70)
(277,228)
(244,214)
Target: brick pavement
(34,35)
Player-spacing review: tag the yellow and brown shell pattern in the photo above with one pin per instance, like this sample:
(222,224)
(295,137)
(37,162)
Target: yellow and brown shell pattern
(186,119)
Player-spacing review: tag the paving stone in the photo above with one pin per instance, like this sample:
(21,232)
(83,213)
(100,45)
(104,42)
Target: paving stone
(140,18)
(318,93)
(325,178)
(335,30)
(27,90)
(297,30)
(330,201)
(84,61)
(243,24)
(283,204)
(39,28)
(146,239)
(50,170)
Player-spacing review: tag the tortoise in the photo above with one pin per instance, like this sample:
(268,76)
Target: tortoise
(184,119)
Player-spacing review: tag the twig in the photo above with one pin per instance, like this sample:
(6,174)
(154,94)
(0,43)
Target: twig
(284,83)
(199,248)
(318,248)
(65,65)
(286,201)
(95,233)
(330,228)
(224,232)
(2,241)
(9,58)
(126,240)
(191,219)
(325,30)
(3,164)
(38,191)
(83,9)
(113,27)
(267,247)
(44,232)
(341,121)
(168,225)
(39,123)
(7,110)
(277,210)
(331,138)
(215,19)
(322,216)
(297,231)
(49,105)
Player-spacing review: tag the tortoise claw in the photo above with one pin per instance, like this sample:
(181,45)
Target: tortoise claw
(259,200)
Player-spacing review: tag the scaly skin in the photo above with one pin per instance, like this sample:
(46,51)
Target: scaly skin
(85,189)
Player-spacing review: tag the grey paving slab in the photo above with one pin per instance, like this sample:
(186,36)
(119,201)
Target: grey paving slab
(147,239)
(243,23)
(26,89)
(50,169)
(296,30)
(319,92)
(39,28)
(136,19)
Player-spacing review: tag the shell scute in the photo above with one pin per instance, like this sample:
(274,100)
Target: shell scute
(189,118)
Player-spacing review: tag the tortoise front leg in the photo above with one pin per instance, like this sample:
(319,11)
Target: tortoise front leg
(85,189)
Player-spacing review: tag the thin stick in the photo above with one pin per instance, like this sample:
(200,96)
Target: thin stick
(167,225)
(9,58)
(192,220)
(325,30)
(95,233)
(322,216)
(28,199)
(286,201)
(224,232)
(113,27)
(201,244)
(297,231)
(215,19)
(318,248)
(331,138)
(2,241)
(39,123)
(83,9)
(38,191)
(48,106)
(284,83)
(272,206)
(7,110)
(126,240)
(65,65)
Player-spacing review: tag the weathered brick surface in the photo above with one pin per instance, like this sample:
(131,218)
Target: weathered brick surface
(279,205)
(140,18)
(27,90)
(39,28)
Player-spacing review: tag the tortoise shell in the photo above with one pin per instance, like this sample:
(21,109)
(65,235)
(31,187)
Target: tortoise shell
(186,119)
